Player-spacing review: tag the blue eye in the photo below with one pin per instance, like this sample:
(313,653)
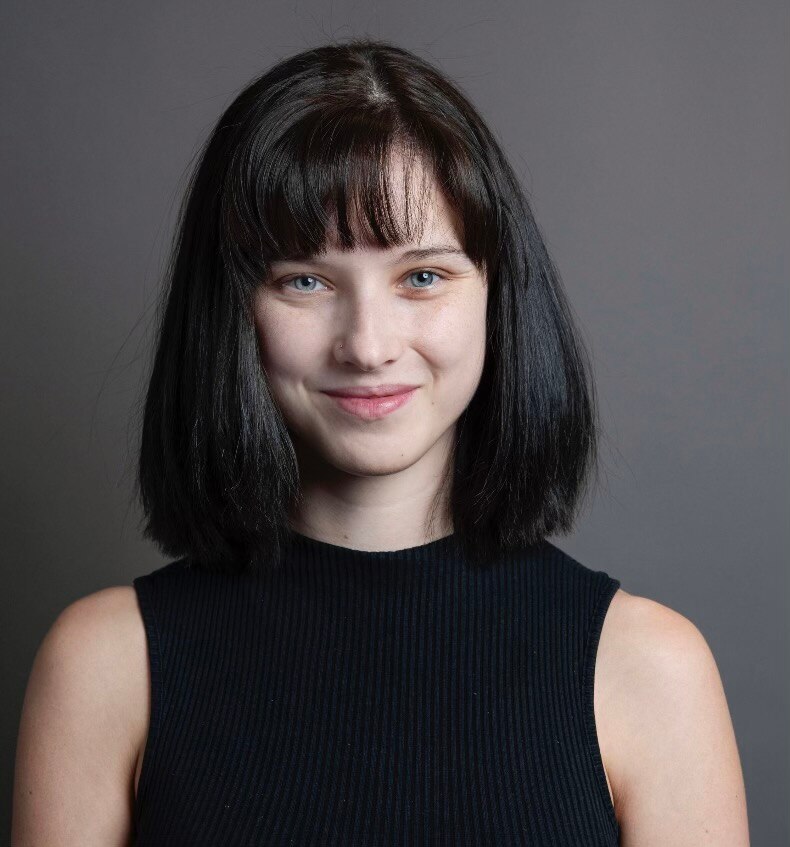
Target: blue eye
(421,272)
(301,276)
(432,273)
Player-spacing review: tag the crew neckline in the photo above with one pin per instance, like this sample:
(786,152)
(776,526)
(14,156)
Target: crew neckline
(429,548)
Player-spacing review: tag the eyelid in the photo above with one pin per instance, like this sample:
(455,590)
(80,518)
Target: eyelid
(281,283)
(430,271)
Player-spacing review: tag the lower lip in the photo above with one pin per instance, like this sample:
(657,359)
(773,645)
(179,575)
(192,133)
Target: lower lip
(372,408)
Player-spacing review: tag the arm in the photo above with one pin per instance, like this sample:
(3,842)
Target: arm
(665,730)
(83,717)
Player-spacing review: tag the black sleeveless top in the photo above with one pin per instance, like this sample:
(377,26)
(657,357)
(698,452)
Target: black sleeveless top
(375,698)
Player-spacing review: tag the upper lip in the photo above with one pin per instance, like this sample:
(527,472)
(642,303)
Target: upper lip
(369,390)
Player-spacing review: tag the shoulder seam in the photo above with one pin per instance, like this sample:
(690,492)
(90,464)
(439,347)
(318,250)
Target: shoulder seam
(155,664)
(605,595)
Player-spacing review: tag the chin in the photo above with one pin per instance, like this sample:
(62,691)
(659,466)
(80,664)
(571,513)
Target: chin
(375,466)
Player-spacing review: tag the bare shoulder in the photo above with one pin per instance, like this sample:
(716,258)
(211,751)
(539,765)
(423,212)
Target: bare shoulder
(84,714)
(665,730)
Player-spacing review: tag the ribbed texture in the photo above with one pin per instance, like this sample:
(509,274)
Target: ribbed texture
(375,698)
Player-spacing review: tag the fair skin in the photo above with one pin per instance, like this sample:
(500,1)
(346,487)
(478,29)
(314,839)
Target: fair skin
(664,728)
(364,318)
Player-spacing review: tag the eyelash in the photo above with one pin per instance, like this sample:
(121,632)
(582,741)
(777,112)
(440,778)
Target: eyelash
(291,278)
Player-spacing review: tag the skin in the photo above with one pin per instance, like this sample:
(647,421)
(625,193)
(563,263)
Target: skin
(664,728)
(369,317)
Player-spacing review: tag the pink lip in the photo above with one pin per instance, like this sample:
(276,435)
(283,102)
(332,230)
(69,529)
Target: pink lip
(372,408)
(370,390)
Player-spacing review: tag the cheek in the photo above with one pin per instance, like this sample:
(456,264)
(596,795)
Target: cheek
(287,344)
(454,341)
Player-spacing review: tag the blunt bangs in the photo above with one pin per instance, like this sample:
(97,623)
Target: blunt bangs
(326,174)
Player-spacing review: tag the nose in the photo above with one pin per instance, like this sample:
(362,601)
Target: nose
(373,338)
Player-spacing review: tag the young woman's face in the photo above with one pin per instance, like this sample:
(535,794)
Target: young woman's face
(370,317)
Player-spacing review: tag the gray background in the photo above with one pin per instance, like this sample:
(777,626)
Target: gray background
(653,140)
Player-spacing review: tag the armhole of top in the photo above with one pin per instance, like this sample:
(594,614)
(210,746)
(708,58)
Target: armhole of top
(155,670)
(593,637)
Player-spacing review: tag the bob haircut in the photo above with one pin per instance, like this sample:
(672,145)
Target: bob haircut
(298,149)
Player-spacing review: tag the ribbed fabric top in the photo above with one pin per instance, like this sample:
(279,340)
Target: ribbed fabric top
(363,698)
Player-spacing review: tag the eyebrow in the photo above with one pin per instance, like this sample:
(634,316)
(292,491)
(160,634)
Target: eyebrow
(406,255)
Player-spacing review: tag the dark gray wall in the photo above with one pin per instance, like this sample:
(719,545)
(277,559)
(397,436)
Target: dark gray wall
(653,139)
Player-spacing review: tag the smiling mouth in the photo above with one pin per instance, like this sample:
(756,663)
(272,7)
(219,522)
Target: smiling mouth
(384,390)
(372,408)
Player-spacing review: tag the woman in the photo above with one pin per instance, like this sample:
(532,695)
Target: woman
(368,409)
